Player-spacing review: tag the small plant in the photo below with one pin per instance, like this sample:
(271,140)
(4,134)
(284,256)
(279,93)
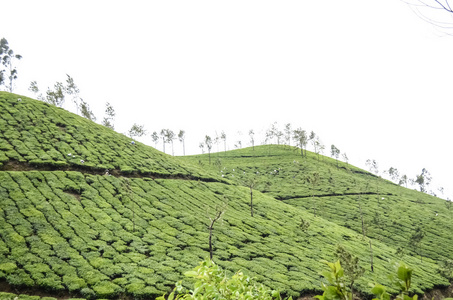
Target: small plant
(351,266)
(446,268)
(336,287)
(212,283)
(304,225)
(401,280)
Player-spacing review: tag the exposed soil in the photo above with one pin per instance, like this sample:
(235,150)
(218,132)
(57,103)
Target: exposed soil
(6,287)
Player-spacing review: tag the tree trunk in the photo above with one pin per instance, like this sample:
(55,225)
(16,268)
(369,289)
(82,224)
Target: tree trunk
(371,257)
(251,201)
(361,217)
(210,242)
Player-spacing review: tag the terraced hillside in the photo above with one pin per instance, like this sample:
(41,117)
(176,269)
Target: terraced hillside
(68,229)
(36,135)
(391,213)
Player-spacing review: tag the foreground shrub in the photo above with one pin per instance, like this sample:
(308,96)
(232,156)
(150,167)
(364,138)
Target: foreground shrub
(212,283)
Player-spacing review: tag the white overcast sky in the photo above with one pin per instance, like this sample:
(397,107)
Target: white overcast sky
(368,76)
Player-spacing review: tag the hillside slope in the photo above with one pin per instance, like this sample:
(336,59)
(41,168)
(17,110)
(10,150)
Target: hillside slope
(36,135)
(391,213)
(66,229)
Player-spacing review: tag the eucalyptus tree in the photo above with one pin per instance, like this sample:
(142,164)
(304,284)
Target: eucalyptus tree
(182,137)
(110,116)
(403,180)
(35,90)
(423,180)
(136,131)
(7,58)
(170,137)
(288,133)
(163,136)
(252,138)
(201,146)
(72,90)
(208,143)
(223,137)
(312,139)
(300,136)
(319,147)
(155,138)
(57,95)
(394,174)
(278,135)
(85,111)
(373,166)
(345,158)
(334,152)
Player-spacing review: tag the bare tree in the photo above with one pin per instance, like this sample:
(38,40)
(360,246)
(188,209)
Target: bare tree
(220,210)
(438,13)
(7,57)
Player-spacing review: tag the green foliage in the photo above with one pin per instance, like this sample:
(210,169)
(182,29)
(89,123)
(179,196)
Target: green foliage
(79,230)
(351,266)
(336,287)
(401,279)
(213,283)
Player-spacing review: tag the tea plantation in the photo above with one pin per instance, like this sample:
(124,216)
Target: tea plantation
(70,230)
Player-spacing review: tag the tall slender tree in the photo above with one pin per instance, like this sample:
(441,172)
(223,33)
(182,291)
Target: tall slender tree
(252,138)
(300,136)
(85,111)
(72,90)
(335,152)
(57,95)
(208,143)
(35,90)
(170,136)
(137,131)
(223,137)
(288,133)
(182,137)
(109,116)
(7,58)
(155,138)
(163,135)
(423,180)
